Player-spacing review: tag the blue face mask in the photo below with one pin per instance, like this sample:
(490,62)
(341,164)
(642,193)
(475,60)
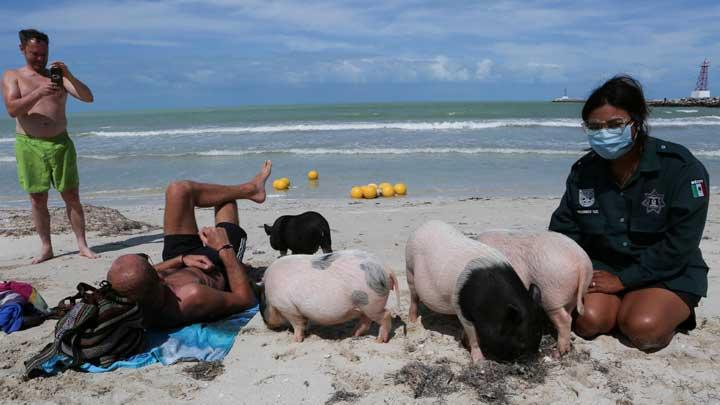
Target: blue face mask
(611,143)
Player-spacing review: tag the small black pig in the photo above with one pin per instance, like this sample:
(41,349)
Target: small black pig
(301,234)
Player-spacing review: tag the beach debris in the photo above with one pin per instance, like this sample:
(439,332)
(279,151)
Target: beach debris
(490,381)
(342,396)
(434,380)
(106,221)
(205,370)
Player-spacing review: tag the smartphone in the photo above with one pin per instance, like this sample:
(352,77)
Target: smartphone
(56,76)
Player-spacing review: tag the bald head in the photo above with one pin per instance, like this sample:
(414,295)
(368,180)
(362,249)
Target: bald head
(133,277)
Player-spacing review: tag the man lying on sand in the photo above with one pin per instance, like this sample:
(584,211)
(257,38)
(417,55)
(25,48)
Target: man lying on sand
(202,276)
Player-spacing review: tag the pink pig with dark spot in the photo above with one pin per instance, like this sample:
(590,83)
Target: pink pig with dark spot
(328,289)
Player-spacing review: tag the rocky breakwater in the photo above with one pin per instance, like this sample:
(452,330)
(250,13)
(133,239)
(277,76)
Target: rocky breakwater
(686,102)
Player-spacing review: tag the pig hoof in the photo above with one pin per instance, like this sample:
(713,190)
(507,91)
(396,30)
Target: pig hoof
(476,356)
(563,349)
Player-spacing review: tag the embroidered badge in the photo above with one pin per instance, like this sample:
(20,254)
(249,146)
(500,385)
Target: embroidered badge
(653,202)
(587,197)
(698,188)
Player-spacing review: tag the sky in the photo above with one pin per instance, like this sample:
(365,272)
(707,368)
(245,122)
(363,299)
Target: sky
(162,54)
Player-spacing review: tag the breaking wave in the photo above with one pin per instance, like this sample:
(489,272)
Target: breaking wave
(710,120)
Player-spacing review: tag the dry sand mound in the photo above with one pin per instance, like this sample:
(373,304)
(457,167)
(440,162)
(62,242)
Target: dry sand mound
(106,221)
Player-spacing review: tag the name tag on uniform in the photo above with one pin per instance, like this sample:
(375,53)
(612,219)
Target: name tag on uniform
(588,211)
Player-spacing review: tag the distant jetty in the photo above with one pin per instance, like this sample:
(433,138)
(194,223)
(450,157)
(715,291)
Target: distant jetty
(665,102)
(686,102)
(565,99)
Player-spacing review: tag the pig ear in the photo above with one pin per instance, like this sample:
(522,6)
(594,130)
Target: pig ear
(268,229)
(535,294)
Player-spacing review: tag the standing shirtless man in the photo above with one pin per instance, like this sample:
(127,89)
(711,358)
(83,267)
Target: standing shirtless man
(44,152)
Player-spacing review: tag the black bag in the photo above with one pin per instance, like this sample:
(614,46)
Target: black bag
(96,326)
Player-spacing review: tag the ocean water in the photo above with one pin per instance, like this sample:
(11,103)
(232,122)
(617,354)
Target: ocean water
(487,149)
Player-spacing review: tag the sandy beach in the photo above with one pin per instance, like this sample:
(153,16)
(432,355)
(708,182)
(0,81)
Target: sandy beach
(422,363)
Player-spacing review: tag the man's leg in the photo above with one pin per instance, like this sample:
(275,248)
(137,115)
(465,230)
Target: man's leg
(76,216)
(227,212)
(41,220)
(181,198)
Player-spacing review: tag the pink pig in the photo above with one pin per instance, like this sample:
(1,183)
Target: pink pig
(328,289)
(453,274)
(556,264)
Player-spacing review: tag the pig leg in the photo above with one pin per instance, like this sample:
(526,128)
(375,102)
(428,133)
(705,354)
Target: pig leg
(385,325)
(562,321)
(298,323)
(382,317)
(414,298)
(469,330)
(362,326)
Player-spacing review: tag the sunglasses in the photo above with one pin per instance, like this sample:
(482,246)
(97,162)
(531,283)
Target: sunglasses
(613,125)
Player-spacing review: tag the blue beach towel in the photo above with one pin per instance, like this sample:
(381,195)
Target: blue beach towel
(197,342)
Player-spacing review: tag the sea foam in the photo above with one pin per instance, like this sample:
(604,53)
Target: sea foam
(710,120)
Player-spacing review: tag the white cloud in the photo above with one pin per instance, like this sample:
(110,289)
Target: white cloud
(483,69)
(202,76)
(148,42)
(443,69)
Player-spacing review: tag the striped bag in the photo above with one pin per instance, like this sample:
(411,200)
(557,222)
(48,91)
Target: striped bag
(96,326)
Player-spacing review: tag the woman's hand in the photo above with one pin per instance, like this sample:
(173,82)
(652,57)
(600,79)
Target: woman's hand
(199,261)
(605,282)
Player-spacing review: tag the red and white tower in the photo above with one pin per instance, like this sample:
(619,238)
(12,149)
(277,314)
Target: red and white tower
(701,87)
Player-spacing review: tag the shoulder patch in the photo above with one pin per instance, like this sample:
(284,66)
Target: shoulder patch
(698,188)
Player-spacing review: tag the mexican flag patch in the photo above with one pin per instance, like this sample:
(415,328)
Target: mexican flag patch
(698,188)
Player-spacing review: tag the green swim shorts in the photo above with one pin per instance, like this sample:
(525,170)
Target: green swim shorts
(42,162)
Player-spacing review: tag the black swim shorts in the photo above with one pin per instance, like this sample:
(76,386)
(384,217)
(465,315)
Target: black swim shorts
(176,245)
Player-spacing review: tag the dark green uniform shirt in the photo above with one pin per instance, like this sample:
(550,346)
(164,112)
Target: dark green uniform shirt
(648,231)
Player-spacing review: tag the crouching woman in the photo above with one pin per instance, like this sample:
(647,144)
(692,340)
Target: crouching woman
(637,205)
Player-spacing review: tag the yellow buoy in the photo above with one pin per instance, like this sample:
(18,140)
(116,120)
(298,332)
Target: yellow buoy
(356,192)
(400,189)
(369,191)
(281,184)
(387,190)
(312,175)
(383,184)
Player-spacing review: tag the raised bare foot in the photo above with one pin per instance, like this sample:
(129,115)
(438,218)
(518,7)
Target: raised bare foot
(45,254)
(86,252)
(259,182)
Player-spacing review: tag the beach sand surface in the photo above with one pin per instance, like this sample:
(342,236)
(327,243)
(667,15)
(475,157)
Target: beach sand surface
(423,363)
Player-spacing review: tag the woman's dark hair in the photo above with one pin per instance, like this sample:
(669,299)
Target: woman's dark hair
(30,34)
(622,91)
